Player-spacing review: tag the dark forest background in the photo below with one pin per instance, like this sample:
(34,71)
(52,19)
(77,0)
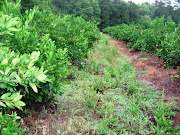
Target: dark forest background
(108,12)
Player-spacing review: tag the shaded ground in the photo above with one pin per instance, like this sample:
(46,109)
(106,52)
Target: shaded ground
(151,70)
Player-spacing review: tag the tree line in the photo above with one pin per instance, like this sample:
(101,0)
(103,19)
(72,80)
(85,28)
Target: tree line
(107,12)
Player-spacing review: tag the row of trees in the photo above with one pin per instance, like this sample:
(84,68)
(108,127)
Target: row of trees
(113,12)
(107,12)
(165,8)
(158,37)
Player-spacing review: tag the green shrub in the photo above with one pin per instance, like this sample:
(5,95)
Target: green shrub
(157,37)
(8,124)
(73,33)
(59,40)
(21,71)
(11,8)
(69,32)
(18,72)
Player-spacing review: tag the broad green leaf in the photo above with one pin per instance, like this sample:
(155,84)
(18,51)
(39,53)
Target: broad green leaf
(12,23)
(19,107)
(50,55)
(34,71)
(13,75)
(17,98)
(5,95)
(3,85)
(41,70)
(5,61)
(12,29)
(2,104)
(9,33)
(41,77)
(9,105)
(7,71)
(26,89)
(15,61)
(33,86)
(27,73)
(12,54)
(1,72)
(30,65)
(14,95)
(19,103)
(18,79)
(17,117)
(35,55)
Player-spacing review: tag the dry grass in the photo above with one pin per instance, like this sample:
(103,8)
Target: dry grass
(140,65)
(151,73)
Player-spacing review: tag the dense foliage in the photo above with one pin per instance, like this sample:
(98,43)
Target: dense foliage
(44,45)
(88,9)
(114,12)
(108,12)
(69,32)
(165,9)
(155,37)
(36,52)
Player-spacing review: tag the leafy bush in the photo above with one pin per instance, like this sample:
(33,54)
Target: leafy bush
(157,37)
(9,80)
(7,24)
(18,72)
(11,8)
(22,72)
(8,124)
(69,32)
(12,100)
(57,39)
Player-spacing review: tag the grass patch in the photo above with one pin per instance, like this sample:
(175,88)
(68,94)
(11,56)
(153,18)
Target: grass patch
(106,98)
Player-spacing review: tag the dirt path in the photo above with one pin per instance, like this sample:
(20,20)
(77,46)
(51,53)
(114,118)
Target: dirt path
(152,71)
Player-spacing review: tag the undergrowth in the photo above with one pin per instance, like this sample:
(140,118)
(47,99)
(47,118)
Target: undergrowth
(106,99)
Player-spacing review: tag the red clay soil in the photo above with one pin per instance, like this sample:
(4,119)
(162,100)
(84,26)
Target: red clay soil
(156,73)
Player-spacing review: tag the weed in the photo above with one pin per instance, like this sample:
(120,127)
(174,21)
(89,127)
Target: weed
(91,98)
(110,102)
(132,87)
(173,78)
(163,115)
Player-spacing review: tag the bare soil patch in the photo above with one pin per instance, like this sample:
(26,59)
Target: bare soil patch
(151,70)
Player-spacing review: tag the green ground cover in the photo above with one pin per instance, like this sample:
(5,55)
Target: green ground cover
(106,99)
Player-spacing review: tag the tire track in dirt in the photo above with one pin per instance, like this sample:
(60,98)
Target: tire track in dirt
(153,72)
